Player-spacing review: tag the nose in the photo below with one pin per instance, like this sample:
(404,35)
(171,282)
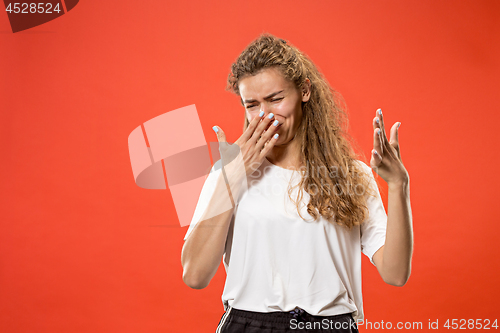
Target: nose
(264,107)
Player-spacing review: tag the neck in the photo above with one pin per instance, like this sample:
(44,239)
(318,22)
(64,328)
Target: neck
(286,155)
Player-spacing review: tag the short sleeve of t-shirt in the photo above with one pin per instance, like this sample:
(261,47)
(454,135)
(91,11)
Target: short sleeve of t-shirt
(205,195)
(373,229)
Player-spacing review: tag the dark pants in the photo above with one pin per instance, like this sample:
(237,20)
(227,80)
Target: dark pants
(241,321)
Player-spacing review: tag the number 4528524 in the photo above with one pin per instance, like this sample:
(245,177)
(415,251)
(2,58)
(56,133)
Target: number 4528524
(27,8)
(464,324)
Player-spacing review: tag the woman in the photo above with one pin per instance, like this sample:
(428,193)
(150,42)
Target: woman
(293,253)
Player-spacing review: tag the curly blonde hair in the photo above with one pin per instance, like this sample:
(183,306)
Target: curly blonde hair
(325,142)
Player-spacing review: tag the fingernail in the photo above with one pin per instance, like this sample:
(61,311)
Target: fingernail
(378,131)
(276,123)
(276,135)
(375,152)
(379,111)
(378,121)
(261,113)
(215,129)
(271,116)
(399,125)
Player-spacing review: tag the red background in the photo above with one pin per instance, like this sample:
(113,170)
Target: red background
(83,249)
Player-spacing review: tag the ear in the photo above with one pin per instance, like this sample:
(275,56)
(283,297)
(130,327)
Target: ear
(306,90)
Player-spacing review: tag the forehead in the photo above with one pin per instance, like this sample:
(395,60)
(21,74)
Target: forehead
(262,84)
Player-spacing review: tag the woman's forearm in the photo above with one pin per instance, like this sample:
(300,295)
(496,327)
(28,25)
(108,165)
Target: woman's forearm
(203,249)
(398,246)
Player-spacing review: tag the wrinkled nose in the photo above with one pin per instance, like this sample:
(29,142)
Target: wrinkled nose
(264,107)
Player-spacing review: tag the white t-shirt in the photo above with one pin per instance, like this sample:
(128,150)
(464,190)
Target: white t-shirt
(275,260)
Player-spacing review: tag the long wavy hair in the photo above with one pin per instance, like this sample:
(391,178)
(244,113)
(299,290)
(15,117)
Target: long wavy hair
(325,143)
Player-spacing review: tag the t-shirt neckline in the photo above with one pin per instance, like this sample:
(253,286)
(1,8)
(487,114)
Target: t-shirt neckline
(278,167)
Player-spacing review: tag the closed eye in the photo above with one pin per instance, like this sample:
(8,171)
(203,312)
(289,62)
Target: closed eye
(273,100)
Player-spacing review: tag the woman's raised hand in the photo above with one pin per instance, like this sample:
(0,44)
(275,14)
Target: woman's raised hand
(254,144)
(386,157)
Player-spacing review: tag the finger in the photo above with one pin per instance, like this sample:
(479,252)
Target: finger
(376,126)
(221,136)
(269,133)
(228,152)
(251,127)
(377,142)
(375,122)
(269,145)
(395,138)
(382,127)
(375,160)
(264,124)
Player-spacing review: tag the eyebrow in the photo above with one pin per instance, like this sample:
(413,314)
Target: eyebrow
(268,96)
